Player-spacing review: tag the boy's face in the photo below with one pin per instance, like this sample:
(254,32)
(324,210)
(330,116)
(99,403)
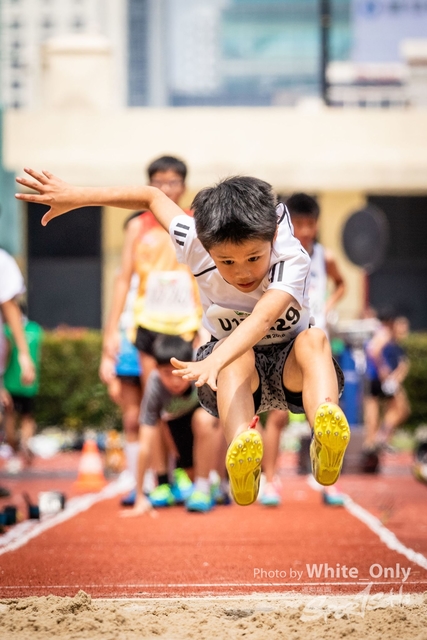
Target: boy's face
(174,384)
(170,182)
(305,230)
(400,329)
(245,265)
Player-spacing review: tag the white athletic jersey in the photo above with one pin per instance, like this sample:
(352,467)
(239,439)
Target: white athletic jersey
(224,306)
(11,285)
(318,286)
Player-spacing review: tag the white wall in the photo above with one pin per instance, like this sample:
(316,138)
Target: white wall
(321,150)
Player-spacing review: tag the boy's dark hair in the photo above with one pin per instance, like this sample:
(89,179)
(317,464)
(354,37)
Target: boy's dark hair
(235,210)
(301,204)
(387,314)
(167,163)
(167,347)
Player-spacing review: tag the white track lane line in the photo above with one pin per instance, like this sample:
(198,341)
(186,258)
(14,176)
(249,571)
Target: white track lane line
(208,585)
(376,526)
(22,533)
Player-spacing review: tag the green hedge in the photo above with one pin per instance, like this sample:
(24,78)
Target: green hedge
(416,382)
(71,393)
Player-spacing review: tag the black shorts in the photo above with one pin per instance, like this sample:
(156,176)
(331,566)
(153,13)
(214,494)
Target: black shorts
(22,404)
(145,339)
(375,390)
(182,435)
(135,381)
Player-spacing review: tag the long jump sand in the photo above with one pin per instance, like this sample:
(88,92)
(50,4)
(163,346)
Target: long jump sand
(294,616)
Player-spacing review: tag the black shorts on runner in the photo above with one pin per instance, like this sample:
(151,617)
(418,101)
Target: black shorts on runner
(145,339)
(23,404)
(182,435)
(135,381)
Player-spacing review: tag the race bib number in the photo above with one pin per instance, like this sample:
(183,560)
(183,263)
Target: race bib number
(227,320)
(169,305)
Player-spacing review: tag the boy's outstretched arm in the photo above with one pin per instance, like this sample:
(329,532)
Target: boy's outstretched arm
(63,197)
(334,274)
(266,311)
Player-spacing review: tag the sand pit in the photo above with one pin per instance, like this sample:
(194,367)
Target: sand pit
(294,616)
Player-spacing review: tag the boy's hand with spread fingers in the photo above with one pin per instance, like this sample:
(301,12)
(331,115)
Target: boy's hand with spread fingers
(52,191)
(203,372)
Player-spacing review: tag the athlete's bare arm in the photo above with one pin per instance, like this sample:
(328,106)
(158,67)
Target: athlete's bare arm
(269,307)
(334,274)
(62,197)
(122,281)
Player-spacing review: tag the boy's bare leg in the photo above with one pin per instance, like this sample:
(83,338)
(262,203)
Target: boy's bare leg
(309,368)
(398,410)
(10,420)
(142,505)
(130,400)
(28,429)
(207,441)
(236,384)
(276,421)
(372,421)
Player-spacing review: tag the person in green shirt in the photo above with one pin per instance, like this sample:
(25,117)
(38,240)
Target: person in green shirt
(23,394)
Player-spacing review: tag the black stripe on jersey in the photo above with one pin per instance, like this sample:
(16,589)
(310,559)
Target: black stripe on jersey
(272,273)
(305,284)
(181,234)
(288,218)
(196,275)
(283,214)
(277,272)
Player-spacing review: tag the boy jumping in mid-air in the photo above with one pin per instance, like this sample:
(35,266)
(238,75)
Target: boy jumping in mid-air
(253,280)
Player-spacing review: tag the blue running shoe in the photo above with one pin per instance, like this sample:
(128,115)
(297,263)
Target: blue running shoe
(270,496)
(182,486)
(219,495)
(162,496)
(332,497)
(199,502)
(129,499)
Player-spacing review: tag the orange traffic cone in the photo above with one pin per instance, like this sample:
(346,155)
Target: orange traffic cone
(90,474)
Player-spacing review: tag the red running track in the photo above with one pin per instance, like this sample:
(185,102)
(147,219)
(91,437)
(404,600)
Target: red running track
(231,550)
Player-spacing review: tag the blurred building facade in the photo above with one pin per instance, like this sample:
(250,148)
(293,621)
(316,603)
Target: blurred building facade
(229,52)
(179,52)
(26,25)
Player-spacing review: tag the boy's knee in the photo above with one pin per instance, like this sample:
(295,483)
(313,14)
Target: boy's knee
(203,422)
(312,338)
(244,366)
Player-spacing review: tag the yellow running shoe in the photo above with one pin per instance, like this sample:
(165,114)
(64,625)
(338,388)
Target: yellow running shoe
(243,462)
(331,435)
